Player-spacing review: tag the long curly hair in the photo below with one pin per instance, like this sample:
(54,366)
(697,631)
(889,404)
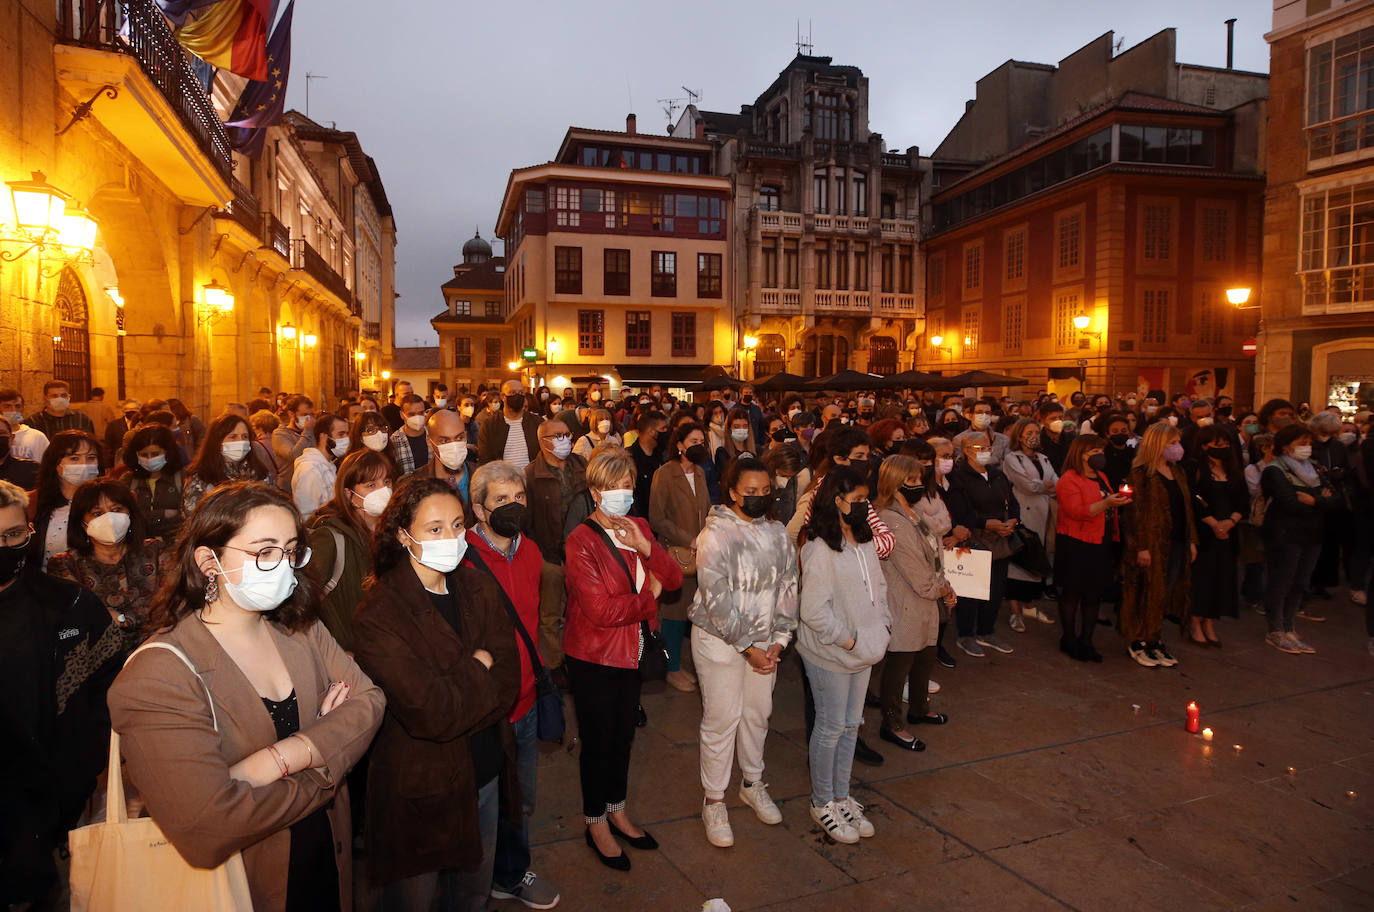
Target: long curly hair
(209,465)
(387,550)
(217,518)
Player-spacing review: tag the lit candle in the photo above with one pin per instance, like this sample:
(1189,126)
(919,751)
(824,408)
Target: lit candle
(1206,734)
(1238,748)
(1194,716)
(1125,489)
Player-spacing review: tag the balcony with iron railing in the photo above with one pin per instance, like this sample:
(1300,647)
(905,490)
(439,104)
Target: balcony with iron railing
(276,236)
(120,58)
(308,260)
(243,209)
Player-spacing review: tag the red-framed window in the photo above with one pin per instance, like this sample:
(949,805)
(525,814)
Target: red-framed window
(591,332)
(684,335)
(638,332)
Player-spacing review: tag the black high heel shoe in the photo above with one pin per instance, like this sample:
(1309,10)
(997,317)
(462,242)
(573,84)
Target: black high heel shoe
(619,862)
(643,843)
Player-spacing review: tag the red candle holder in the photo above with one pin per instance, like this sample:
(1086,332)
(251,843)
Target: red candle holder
(1194,717)
(1125,489)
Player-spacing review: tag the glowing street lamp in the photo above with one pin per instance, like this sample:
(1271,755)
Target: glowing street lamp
(310,339)
(1239,297)
(361,356)
(1082,321)
(288,332)
(751,342)
(39,207)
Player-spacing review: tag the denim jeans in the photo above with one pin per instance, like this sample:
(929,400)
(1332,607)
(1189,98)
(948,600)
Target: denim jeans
(513,836)
(839,713)
(458,891)
(1289,569)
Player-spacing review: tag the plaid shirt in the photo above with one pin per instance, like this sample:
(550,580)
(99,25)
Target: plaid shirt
(400,448)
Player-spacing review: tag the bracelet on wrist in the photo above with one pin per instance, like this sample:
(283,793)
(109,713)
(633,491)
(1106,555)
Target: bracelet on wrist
(309,751)
(281,761)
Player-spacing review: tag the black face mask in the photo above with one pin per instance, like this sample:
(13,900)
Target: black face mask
(857,517)
(1218,452)
(781,435)
(1119,440)
(747,397)
(1097,462)
(912,493)
(696,452)
(508,519)
(11,562)
(516,402)
(952,428)
(755,505)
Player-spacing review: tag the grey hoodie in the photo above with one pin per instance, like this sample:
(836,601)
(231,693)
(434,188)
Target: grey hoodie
(746,580)
(844,594)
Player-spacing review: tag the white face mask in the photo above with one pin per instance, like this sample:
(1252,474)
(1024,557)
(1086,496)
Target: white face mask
(339,447)
(14,418)
(1302,452)
(779,482)
(155,464)
(375,441)
(374,504)
(793,413)
(562,446)
(234,450)
(1173,420)
(415,422)
(1056,425)
(443,554)
(739,435)
(302,422)
(617,501)
(453,454)
(440,403)
(944,465)
(261,590)
(983,458)
(603,427)
(59,404)
(980,421)
(76,474)
(466,411)
(1204,422)
(554,409)
(1348,438)
(109,528)
(594,396)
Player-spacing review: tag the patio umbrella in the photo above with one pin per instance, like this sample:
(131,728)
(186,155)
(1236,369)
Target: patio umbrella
(986,378)
(780,381)
(921,380)
(718,382)
(849,381)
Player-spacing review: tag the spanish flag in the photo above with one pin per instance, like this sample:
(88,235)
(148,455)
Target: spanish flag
(231,34)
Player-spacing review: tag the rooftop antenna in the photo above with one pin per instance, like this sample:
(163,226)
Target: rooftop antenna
(804,45)
(1116,45)
(693,97)
(309,76)
(670,106)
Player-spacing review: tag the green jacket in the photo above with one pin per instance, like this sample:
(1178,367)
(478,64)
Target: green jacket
(337,605)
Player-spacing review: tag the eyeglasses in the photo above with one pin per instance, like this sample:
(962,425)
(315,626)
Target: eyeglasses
(16,538)
(268,558)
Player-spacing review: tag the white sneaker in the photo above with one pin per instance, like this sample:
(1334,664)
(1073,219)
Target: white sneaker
(853,813)
(717,819)
(932,687)
(1035,611)
(757,797)
(1017,623)
(833,823)
(1299,645)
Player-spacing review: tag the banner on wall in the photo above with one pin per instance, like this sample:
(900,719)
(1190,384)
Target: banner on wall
(1201,382)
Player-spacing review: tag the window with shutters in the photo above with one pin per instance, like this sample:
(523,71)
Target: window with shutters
(591,332)
(1215,233)
(1013,326)
(684,335)
(1210,318)
(638,332)
(616,280)
(1157,231)
(567,270)
(1066,307)
(462,351)
(973,267)
(1016,256)
(973,319)
(1154,323)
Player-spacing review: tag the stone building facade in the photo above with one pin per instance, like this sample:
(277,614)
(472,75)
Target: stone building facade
(476,344)
(1317,294)
(101,100)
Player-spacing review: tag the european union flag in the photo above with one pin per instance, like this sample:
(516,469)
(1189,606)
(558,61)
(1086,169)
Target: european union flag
(262,104)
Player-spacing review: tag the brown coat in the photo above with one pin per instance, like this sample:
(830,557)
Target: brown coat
(545,497)
(421,794)
(676,515)
(180,764)
(1146,595)
(491,437)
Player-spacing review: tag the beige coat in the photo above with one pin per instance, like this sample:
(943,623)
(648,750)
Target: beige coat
(676,516)
(914,582)
(180,763)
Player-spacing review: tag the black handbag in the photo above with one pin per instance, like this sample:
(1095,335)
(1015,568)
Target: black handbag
(1031,556)
(653,661)
(548,700)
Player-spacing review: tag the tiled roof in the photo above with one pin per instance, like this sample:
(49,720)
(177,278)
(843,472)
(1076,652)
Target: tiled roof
(480,276)
(415,359)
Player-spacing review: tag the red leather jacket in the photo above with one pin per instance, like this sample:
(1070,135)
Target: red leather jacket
(604,611)
(1076,494)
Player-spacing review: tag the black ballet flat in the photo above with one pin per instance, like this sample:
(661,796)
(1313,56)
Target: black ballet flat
(641,717)
(644,843)
(932,719)
(619,862)
(914,745)
(872,702)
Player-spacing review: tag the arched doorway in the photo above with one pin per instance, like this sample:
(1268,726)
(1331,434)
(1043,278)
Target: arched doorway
(770,356)
(882,355)
(71,349)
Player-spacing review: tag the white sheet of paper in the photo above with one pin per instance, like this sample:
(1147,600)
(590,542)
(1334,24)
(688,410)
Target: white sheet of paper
(970,573)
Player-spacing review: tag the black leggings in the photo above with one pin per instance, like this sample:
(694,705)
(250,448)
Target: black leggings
(604,700)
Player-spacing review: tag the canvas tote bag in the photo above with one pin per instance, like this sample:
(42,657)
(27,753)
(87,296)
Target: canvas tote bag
(123,865)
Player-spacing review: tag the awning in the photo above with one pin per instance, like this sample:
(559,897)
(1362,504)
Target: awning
(674,374)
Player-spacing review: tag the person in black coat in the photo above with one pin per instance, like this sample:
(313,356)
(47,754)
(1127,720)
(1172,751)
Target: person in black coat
(1220,501)
(59,653)
(981,499)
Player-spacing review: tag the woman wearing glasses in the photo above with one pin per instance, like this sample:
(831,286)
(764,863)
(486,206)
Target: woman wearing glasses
(436,637)
(243,745)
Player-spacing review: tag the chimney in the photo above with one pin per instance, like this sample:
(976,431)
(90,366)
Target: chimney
(701,129)
(1230,44)
(629,123)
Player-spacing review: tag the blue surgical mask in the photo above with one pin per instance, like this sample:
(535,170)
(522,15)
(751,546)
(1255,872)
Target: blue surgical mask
(617,502)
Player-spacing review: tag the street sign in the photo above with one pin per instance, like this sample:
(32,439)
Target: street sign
(1250,346)
(530,354)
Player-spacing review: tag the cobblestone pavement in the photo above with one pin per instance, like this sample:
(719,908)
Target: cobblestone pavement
(1047,790)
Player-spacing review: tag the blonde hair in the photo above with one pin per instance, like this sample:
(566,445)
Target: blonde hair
(1152,444)
(894,472)
(609,466)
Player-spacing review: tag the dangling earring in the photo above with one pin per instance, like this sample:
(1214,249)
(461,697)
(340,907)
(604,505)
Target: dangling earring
(211,587)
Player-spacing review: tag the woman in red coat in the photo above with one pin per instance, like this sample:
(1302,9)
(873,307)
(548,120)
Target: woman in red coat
(615,573)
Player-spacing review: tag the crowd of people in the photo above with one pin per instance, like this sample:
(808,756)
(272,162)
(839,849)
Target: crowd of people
(424,571)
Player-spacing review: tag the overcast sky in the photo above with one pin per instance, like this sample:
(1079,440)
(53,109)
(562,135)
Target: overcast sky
(448,97)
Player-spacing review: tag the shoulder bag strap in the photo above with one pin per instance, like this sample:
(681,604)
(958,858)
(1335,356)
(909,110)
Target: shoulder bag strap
(334,577)
(176,651)
(615,552)
(476,560)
